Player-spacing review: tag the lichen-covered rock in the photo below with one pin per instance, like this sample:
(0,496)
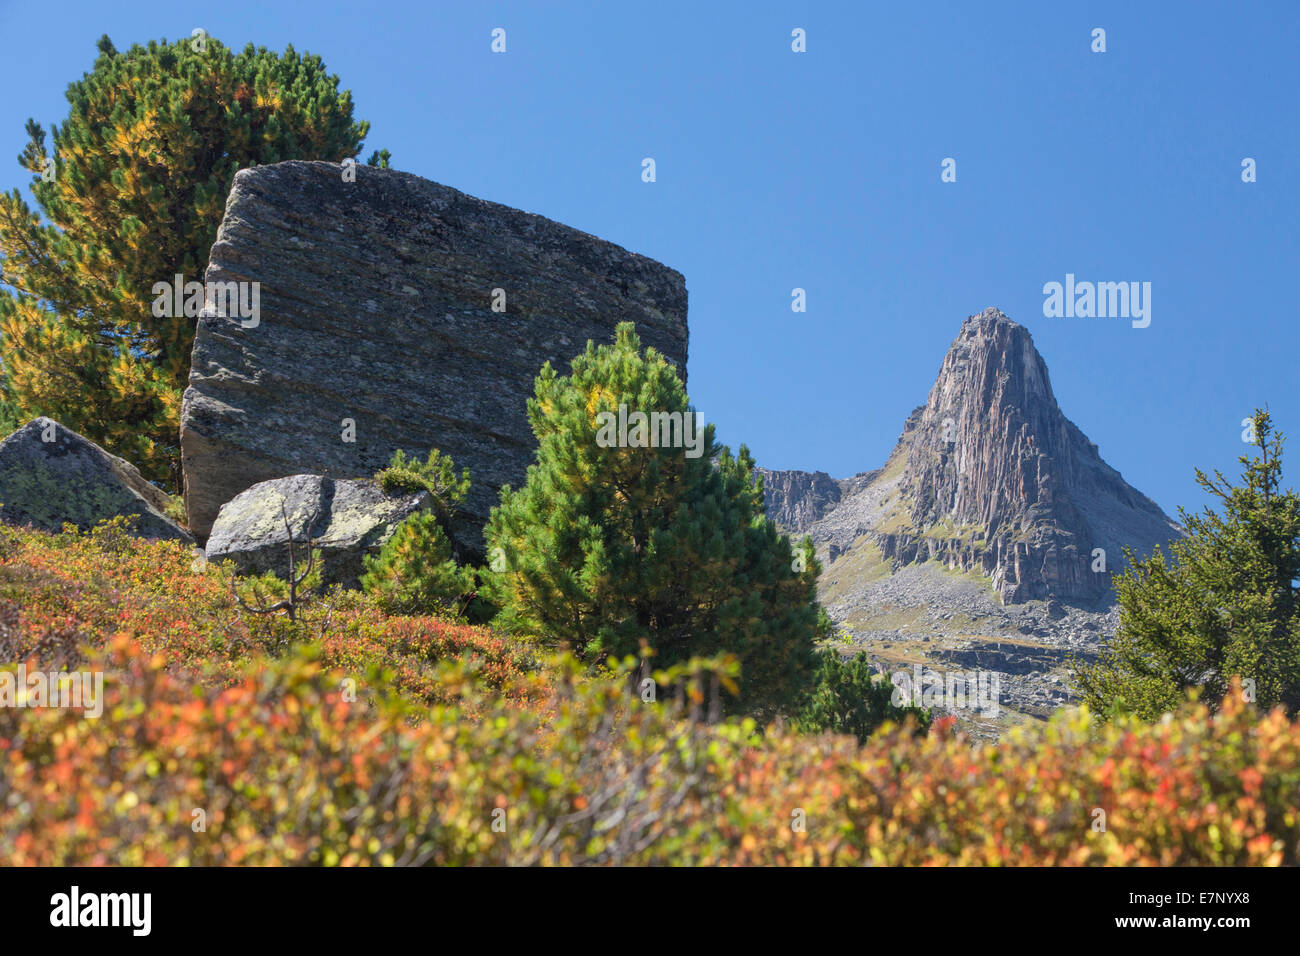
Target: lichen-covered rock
(352,518)
(377,331)
(50,475)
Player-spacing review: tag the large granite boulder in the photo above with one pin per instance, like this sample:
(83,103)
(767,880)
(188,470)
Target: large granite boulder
(377,331)
(50,475)
(344,519)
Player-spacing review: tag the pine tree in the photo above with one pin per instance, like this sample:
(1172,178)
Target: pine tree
(436,475)
(416,571)
(606,546)
(847,697)
(133,190)
(1226,604)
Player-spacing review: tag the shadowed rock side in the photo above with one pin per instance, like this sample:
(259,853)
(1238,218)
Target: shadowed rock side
(376,306)
(988,476)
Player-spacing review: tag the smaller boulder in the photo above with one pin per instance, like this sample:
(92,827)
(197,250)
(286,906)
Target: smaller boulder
(352,518)
(50,475)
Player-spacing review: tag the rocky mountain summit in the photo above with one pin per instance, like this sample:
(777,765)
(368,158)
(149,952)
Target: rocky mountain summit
(988,476)
(990,534)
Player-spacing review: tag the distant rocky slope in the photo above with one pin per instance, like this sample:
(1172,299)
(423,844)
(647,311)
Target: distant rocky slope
(797,499)
(377,309)
(974,547)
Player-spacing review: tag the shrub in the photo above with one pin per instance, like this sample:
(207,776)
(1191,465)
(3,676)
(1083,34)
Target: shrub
(132,189)
(282,768)
(436,475)
(460,747)
(156,594)
(1227,604)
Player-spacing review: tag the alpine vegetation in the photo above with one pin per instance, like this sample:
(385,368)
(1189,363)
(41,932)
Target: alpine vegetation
(616,549)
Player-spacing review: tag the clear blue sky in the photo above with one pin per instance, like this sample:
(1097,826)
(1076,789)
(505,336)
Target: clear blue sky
(822,170)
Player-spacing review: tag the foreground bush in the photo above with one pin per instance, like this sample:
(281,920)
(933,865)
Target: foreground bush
(76,589)
(281,768)
(416,571)
(1226,602)
(352,737)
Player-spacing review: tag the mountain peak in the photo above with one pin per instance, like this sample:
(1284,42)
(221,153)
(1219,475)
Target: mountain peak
(991,314)
(990,476)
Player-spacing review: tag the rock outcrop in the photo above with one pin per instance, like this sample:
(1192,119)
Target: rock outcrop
(50,475)
(344,519)
(988,476)
(796,499)
(377,331)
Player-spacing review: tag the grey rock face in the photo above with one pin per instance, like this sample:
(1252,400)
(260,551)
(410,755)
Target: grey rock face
(796,499)
(992,452)
(376,306)
(353,518)
(71,479)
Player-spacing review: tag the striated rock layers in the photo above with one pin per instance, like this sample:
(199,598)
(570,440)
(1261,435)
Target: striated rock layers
(988,476)
(377,331)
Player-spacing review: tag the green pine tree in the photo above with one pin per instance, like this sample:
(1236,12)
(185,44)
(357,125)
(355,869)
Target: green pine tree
(847,697)
(605,546)
(1226,603)
(436,475)
(415,572)
(132,192)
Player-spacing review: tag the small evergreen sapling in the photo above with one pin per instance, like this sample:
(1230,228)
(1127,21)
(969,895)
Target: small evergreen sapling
(416,572)
(849,698)
(606,546)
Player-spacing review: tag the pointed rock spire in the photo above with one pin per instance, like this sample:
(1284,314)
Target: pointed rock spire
(990,475)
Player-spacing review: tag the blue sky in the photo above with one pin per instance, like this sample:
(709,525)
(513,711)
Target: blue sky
(821,170)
